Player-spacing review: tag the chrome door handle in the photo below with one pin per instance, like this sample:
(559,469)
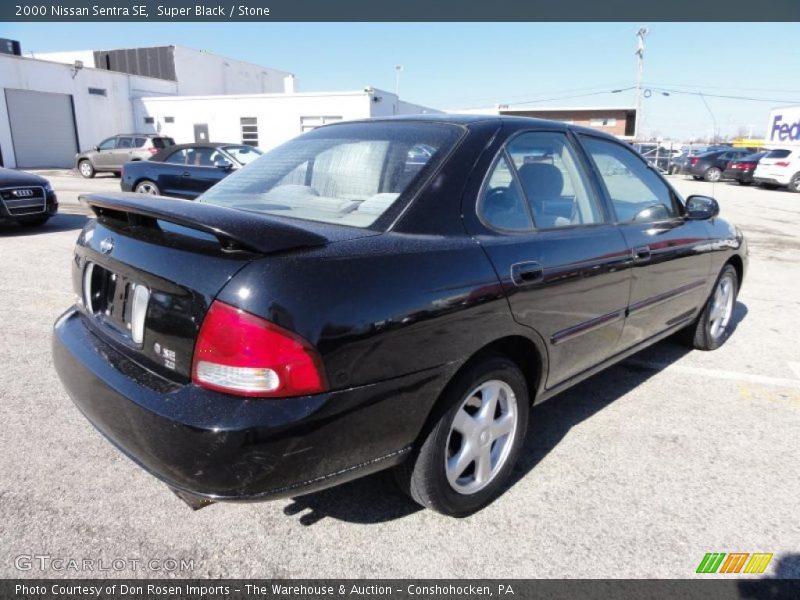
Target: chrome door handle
(527,273)
(641,254)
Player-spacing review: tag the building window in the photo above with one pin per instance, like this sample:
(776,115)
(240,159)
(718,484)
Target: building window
(309,123)
(602,122)
(149,120)
(169,119)
(97,91)
(249,127)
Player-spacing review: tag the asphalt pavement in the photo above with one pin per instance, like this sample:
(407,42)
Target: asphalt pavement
(637,472)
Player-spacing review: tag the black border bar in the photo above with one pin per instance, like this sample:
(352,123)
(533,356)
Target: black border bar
(401,10)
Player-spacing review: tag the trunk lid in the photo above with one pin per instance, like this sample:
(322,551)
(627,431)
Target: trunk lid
(183,253)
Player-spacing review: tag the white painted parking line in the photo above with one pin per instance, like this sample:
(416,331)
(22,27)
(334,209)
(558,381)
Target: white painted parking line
(737,376)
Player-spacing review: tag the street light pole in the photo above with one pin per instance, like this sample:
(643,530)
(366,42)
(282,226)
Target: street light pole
(643,31)
(397,69)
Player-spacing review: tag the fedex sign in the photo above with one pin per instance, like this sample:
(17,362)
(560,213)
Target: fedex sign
(784,126)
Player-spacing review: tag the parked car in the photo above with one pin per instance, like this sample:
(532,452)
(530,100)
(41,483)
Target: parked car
(711,165)
(779,168)
(742,169)
(333,310)
(26,198)
(110,154)
(680,163)
(186,170)
(658,156)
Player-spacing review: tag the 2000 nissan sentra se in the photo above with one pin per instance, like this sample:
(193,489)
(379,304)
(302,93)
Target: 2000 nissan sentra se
(390,293)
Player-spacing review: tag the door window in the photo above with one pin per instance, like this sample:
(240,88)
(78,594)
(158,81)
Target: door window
(139,142)
(502,205)
(107,144)
(553,184)
(636,192)
(124,142)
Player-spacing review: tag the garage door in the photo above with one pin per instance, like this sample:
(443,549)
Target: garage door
(42,128)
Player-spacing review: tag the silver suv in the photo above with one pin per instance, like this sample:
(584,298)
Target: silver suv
(112,153)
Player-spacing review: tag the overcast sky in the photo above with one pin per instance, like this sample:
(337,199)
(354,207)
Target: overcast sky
(450,65)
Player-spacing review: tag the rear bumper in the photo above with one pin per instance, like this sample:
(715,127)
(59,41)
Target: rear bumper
(769,181)
(738,175)
(226,448)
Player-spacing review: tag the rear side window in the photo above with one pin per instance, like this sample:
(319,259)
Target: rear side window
(348,174)
(502,205)
(163,142)
(637,193)
(139,142)
(778,153)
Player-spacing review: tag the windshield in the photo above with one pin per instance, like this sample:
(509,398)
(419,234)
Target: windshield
(244,155)
(348,174)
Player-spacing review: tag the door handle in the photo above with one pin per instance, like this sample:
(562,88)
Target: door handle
(187,174)
(527,273)
(641,254)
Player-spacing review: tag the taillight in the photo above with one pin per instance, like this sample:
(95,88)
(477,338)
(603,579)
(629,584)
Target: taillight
(693,161)
(782,163)
(242,354)
(153,150)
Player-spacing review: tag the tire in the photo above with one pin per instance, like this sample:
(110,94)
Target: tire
(86,169)
(696,178)
(145,186)
(712,174)
(34,221)
(481,476)
(794,184)
(707,333)
(740,182)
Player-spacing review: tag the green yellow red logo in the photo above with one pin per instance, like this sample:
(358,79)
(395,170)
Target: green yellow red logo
(734,562)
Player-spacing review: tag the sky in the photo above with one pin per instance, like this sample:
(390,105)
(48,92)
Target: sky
(461,65)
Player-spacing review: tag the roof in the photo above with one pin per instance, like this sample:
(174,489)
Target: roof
(563,108)
(169,150)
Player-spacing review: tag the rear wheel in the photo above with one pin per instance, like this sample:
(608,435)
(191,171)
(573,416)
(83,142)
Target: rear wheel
(713,174)
(86,169)
(462,462)
(147,187)
(713,327)
(794,184)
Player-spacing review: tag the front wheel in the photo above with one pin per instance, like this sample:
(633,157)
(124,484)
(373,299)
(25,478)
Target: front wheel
(713,174)
(147,187)
(713,327)
(86,169)
(462,462)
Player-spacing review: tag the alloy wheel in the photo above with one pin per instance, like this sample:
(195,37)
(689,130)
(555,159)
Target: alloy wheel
(713,175)
(147,188)
(86,169)
(721,307)
(481,436)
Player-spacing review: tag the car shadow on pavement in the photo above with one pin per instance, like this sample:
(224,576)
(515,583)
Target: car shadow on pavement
(375,498)
(57,223)
(785,577)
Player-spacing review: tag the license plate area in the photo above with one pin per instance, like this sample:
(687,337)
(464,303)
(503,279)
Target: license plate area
(115,301)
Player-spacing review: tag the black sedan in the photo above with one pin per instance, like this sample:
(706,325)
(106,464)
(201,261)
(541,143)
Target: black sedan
(25,198)
(185,170)
(742,169)
(711,165)
(345,304)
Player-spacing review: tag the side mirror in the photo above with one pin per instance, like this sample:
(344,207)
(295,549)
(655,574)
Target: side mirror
(701,207)
(224,165)
(96,148)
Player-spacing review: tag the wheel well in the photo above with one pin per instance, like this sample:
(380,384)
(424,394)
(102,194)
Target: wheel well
(736,262)
(519,349)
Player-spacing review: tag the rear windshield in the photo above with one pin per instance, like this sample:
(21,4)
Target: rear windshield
(349,174)
(778,153)
(163,142)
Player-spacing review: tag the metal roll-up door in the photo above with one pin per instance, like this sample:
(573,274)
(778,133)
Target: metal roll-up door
(42,128)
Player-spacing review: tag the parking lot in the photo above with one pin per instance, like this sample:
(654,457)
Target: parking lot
(637,472)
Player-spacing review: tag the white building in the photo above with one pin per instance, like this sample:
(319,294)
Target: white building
(196,72)
(263,120)
(54,105)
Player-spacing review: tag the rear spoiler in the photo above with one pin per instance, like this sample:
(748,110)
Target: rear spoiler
(235,229)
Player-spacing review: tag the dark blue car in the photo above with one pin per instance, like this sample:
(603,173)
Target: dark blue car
(185,170)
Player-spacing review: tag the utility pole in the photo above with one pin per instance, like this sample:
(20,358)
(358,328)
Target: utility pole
(643,31)
(397,69)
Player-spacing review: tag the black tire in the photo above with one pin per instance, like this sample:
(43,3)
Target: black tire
(740,182)
(34,221)
(794,184)
(700,334)
(145,186)
(712,174)
(86,169)
(696,178)
(423,476)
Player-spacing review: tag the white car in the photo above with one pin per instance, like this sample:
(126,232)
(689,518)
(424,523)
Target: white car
(780,167)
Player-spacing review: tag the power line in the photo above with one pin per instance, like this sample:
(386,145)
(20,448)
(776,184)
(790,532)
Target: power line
(723,87)
(729,97)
